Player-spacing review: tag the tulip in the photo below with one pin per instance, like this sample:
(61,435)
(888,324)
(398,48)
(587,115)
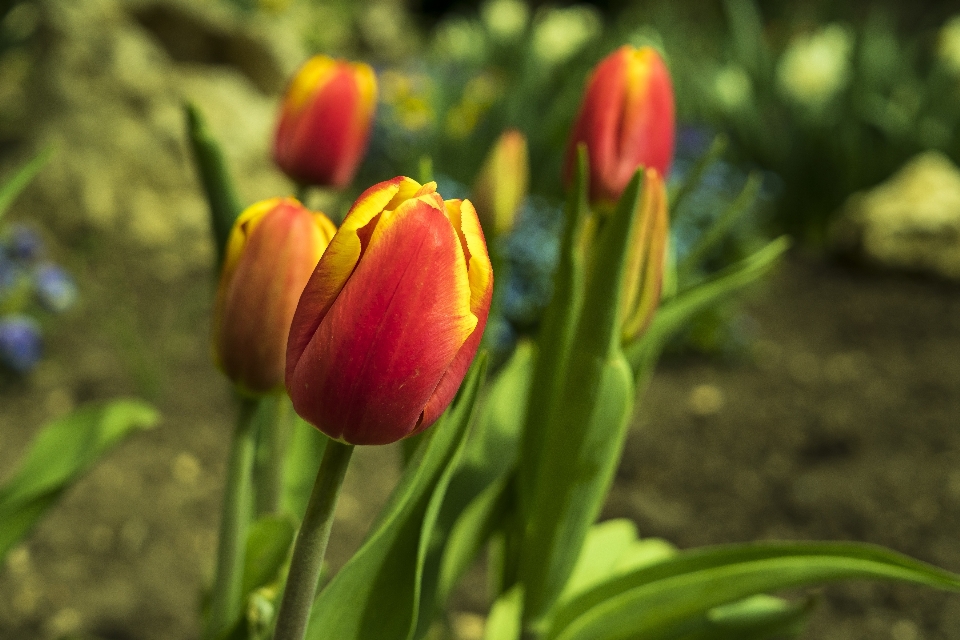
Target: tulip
(325,121)
(272,250)
(643,278)
(501,187)
(626,120)
(391,318)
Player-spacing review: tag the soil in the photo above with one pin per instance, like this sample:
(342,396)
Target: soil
(840,424)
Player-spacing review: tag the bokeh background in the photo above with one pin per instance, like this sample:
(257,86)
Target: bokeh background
(825,404)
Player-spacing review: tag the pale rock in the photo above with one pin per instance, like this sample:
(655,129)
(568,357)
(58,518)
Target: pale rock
(911,222)
(107,91)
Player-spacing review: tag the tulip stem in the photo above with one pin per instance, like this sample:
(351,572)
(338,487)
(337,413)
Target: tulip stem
(237,509)
(311,543)
(302,192)
(274,440)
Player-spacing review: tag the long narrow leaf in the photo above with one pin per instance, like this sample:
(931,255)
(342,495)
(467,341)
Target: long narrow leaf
(556,331)
(743,203)
(581,443)
(214,174)
(659,600)
(12,187)
(672,316)
(504,621)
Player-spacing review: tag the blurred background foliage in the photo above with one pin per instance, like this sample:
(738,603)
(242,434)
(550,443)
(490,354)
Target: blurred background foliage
(828,97)
(817,99)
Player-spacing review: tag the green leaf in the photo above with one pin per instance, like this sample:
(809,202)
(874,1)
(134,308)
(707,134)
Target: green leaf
(12,187)
(376,594)
(504,621)
(556,330)
(644,553)
(675,313)
(304,452)
(581,442)
(577,468)
(605,544)
(759,617)
(60,454)
(755,618)
(268,545)
(610,549)
(16,521)
(466,539)
(749,38)
(265,558)
(476,498)
(215,178)
(660,601)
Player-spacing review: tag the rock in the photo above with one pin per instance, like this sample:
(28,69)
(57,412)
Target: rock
(107,90)
(911,222)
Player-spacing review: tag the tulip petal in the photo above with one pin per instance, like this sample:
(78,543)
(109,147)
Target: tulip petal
(390,335)
(646,129)
(480,274)
(644,297)
(339,261)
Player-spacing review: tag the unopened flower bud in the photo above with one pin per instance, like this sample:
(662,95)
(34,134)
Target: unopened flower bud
(501,187)
(325,121)
(626,120)
(272,250)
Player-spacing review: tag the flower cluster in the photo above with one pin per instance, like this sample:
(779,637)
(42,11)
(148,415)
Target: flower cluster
(30,285)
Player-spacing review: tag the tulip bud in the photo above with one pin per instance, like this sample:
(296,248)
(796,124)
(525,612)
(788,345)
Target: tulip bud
(643,278)
(392,316)
(626,120)
(273,248)
(501,187)
(325,121)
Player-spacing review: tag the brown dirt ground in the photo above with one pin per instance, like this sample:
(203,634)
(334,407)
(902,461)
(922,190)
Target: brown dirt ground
(841,425)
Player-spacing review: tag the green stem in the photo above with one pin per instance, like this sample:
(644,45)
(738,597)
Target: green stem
(228,583)
(274,441)
(311,543)
(302,192)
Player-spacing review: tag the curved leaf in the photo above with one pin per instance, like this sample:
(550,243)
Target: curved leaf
(60,454)
(674,313)
(659,600)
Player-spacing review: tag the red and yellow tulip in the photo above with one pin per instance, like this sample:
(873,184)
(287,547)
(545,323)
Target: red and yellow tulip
(325,121)
(272,250)
(392,316)
(626,120)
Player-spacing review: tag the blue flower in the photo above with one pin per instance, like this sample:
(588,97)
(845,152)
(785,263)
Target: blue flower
(532,250)
(56,290)
(20,342)
(24,243)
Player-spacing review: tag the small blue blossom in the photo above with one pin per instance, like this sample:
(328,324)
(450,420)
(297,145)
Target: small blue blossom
(450,188)
(24,243)
(56,290)
(499,335)
(20,343)
(532,250)
(693,140)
